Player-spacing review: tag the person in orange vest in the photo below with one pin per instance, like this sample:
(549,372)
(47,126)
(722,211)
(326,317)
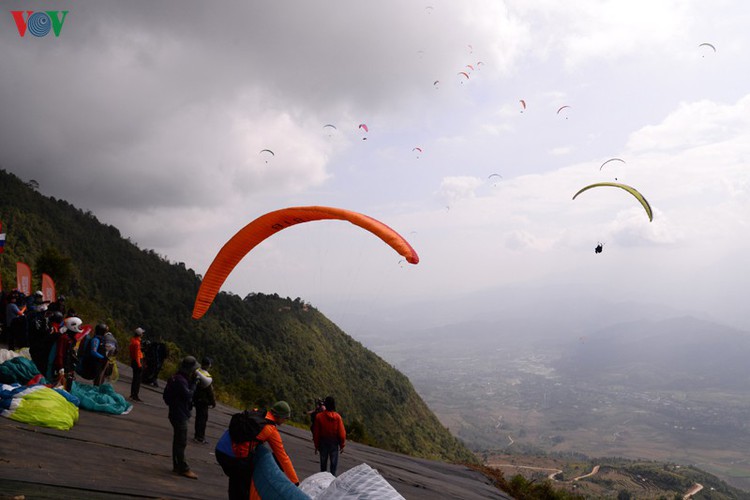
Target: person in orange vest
(329,435)
(136,363)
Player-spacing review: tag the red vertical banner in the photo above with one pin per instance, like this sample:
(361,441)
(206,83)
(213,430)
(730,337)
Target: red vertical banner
(48,288)
(23,278)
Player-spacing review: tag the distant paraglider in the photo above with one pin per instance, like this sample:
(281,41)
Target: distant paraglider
(523,105)
(464,74)
(707,45)
(363,126)
(561,108)
(265,154)
(271,223)
(599,248)
(330,128)
(641,199)
(610,160)
(418,150)
(494,178)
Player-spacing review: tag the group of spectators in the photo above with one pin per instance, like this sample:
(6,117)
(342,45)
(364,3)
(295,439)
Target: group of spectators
(61,346)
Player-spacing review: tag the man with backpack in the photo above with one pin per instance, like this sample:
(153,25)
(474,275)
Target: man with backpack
(247,430)
(203,398)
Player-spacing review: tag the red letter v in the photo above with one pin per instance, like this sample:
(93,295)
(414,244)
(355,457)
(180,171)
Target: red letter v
(20,22)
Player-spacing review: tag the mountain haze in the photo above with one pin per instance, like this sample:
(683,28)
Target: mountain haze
(264,347)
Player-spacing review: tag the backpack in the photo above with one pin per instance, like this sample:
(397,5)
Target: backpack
(83,365)
(244,427)
(110,344)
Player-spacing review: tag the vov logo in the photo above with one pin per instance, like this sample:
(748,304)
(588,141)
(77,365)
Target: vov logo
(39,23)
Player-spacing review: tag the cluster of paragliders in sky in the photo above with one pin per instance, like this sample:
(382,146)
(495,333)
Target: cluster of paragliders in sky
(255,232)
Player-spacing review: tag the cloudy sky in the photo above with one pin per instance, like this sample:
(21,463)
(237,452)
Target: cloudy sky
(153,115)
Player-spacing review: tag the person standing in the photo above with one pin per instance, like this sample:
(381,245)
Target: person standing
(329,435)
(136,363)
(178,394)
(203,398)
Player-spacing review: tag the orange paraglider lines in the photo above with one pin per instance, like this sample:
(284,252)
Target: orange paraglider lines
(269,224)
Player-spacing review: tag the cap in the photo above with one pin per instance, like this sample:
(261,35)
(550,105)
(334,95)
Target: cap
(189,365)
(139,331)
(281,409)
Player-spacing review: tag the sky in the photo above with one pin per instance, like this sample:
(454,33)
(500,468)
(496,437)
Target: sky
(154,116)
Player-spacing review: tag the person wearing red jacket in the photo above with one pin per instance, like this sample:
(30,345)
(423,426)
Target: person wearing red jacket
(136,363)
(329,435)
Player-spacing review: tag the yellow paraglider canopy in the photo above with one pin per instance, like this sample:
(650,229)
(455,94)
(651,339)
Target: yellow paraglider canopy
(627,188)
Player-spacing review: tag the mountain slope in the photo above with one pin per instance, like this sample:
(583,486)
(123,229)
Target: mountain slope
(264,347)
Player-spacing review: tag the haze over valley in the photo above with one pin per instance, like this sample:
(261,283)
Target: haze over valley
(582,376)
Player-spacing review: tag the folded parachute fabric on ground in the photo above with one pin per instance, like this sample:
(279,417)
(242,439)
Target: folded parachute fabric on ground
(361,482)
(37,405)
(18,370)
(102,398)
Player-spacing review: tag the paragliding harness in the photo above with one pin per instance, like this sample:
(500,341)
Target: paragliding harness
(235,450)
(83,366)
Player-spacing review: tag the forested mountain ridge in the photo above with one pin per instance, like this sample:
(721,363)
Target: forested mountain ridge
(264,347)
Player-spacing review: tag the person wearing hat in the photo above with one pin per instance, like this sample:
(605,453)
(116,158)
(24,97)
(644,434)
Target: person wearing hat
(276,416)
(178,394)
(136,363)
(203,398)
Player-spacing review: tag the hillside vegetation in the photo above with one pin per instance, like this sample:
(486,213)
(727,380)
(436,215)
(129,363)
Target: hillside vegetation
(264,347)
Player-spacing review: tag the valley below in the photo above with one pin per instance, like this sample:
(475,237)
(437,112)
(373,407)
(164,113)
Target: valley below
(549,398)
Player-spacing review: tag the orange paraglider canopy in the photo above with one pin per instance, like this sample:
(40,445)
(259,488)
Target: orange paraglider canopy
(266,225)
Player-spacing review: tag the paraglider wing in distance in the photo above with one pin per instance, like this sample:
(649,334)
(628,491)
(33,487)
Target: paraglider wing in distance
(561,108)
(707,45)
(627,188)
(494,178)
(464,73)
(363,126)
(269,224)
(330,126)
(523,104)
(611,159)
(265,153)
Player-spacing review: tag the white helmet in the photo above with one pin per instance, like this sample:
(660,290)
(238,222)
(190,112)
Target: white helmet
(73,324)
